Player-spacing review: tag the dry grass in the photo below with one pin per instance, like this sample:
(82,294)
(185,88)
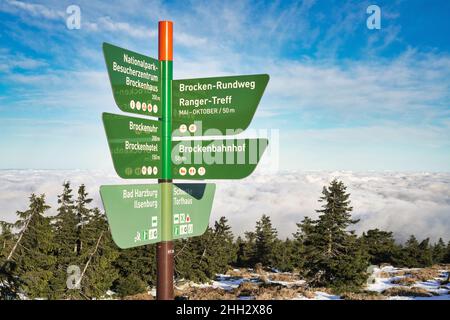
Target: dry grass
(405,281)
(140,296)
(244,273)
(287,277)
(384,274)
(259,269)
(264,279)
(425,274)
(407,292)
(247,289)
(326,290)
(208,293)
(362,296)
(306,293)
(276,293)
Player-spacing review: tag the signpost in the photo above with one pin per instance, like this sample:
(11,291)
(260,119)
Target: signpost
(142,148)
(216,159)
(135,80)
(216,106)
(192,203)
(135,146)
(134,213)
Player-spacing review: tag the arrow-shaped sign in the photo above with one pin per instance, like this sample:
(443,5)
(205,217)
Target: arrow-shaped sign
(134,212)
(216,106)
(216,159)
(135,80)
(135,146)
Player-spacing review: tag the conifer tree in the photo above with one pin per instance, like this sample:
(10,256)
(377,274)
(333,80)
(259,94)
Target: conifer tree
(33,251)
(447,254)
(201,258)
(98,254)
(6,239)
(334,256)
(66,224)
(283,256)
(439,251)
(425,254)
(247,251)
(9,284)
(410,253)
(266,237)
(380,245)
(190,262)
(87,244)
(137,270)
(83,215)
(221,251)
(240,243)
(302,242)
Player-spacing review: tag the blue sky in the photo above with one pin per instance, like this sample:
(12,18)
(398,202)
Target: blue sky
(343,97)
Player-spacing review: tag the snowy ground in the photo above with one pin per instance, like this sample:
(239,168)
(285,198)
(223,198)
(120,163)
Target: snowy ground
(434,286)
(382,281)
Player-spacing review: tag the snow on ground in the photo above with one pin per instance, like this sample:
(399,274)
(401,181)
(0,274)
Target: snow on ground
(228,282)
(381,280)
(380,284)
(441,292)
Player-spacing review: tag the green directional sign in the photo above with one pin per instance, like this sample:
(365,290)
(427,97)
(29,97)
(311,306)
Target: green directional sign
(134,213)
(215,106)
(135,146)
(216,159)
(135,80)
(192,204)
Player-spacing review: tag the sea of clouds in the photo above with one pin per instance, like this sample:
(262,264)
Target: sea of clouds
(405,203)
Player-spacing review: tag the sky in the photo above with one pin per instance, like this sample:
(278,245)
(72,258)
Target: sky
(340,96)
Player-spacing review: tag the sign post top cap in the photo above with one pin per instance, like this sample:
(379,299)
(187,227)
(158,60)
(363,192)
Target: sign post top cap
(165,40)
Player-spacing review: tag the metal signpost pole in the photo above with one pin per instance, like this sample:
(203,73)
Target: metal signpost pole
(165,248)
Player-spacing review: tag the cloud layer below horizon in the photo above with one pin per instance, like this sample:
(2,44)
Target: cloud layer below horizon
(405,203)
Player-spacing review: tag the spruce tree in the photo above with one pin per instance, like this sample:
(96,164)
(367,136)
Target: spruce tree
(302,242)
(380,245)
(190,257)
(240,243)
(201,258)
(439,251)
(66,224)
(9,284)
(410,254)
(98,254)
(7,238)
(447,254)
(425,253)
(283,257)
(34,249)
(266,238)
(248,250)
(334,256)
(137,270)
(83,215)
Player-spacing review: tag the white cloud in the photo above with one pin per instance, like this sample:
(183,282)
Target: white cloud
(405,203)
(37,10)
(107,24)
(9,62)
(411,84)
